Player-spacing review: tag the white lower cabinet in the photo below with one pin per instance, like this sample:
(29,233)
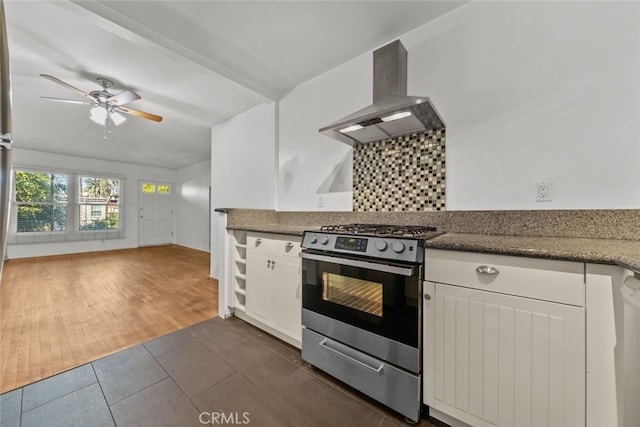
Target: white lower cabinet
(492,358)
(273,285)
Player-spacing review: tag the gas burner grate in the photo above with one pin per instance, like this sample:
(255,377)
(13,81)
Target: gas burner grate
(380,229)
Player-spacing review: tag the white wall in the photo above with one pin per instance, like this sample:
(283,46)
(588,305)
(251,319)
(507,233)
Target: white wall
(305,157)
(192,206)
(530,92)
(129,199)
(243,155)
(243,170)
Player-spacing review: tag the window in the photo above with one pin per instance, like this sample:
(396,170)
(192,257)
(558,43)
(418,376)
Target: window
(54,206)
(148,188)
(99,203)
(41,199)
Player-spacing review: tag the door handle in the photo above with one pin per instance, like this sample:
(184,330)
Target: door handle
(352,358)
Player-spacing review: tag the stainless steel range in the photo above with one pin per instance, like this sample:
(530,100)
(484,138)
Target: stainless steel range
(362,309)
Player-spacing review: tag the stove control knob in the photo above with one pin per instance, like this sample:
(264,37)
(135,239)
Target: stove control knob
(314,238)
(325,240)
(398,247)
(381,245)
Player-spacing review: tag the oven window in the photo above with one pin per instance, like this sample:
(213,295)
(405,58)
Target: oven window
(362,295)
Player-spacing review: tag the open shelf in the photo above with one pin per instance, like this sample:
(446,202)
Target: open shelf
(239,269)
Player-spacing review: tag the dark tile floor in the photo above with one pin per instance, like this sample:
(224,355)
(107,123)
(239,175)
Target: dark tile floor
(218,372)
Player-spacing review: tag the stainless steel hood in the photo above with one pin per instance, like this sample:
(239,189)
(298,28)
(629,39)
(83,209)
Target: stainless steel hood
(392,113)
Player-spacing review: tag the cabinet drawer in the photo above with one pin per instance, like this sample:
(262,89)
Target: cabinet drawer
(286,245)
(259,242)
(274,243)
(548,280)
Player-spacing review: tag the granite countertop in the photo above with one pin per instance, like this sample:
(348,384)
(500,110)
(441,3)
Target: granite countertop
(625,253)
(291,230)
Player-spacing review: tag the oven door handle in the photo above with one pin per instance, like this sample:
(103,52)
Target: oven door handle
(393,269)
(325,343)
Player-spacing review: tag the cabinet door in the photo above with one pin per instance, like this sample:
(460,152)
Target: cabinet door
(500,360)
(286,286)
(258,277)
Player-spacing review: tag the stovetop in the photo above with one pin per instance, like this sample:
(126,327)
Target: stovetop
(375,241)
(383,230)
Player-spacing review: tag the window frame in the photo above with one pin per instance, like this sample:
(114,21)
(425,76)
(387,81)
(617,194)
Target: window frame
(73,231)
(79,204)
(52,203)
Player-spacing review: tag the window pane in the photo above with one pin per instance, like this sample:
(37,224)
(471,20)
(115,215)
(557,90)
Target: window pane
(60,188)
(98,203)
(148,188)
(99,217)
(163,188)
(40,187)
(98,188)
(41,217)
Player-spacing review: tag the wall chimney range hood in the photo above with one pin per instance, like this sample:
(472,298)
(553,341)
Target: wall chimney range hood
(392,113)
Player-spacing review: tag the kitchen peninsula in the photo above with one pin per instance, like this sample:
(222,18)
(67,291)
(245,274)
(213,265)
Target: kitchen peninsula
(599,249)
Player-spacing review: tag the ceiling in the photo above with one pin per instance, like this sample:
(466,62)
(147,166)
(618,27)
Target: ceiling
(196,63)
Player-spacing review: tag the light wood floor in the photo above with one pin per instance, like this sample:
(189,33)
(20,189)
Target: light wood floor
(63,311)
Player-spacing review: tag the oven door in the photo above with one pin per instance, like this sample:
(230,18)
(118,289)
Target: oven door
(381,298)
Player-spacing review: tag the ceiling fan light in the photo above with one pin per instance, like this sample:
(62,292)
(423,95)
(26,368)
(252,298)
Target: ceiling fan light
(98,115)
(117,118)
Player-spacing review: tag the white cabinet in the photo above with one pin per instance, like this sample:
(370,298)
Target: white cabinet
(273,285)
(504,340)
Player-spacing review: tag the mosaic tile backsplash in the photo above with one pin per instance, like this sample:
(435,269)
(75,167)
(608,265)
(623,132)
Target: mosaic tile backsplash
(406,173)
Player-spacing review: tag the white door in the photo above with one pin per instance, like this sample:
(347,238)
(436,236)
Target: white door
(501,360)
(156,213)
(259,273)
(285,295)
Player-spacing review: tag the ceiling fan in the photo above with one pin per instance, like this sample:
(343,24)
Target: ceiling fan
(106,107)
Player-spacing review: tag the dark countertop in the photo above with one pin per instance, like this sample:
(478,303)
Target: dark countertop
(625,253)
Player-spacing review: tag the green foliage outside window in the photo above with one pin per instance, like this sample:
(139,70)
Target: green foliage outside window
(42,200)
(99,195)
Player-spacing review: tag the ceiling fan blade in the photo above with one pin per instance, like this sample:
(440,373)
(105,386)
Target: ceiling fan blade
(139,113)
(67,85)
(68,101)
(124,97)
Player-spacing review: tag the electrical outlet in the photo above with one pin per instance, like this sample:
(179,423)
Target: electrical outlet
(543,192)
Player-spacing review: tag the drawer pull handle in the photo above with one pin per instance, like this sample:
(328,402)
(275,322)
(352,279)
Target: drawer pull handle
(258,241)
(486,269)
(289,245)
(352,358)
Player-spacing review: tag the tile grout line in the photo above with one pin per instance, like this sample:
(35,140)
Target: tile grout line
(21,403)
(175,383)
(103,396)
(142,389)
(53,400)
